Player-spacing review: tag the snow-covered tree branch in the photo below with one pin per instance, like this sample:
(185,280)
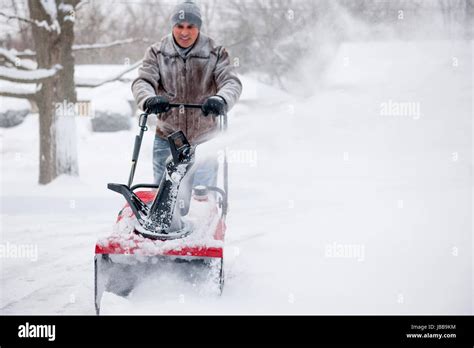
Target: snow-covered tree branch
(28,76)
(26,54)
(92,84)
(108,45)
(11,58)
(17,91)
(95,46)
(40,24)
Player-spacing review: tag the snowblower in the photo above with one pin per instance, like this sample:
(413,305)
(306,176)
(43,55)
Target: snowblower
(164,223)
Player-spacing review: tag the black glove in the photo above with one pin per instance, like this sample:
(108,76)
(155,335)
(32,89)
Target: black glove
(214,105)
(157,104)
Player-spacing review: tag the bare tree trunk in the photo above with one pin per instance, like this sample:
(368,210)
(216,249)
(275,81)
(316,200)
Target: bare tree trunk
(47,55)
(66,143)
(47,129)
(54,47)
(66,40)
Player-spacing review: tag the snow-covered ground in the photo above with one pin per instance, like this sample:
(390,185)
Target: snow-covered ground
(357,200)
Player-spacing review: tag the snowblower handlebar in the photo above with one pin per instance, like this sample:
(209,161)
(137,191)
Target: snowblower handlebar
(183,106)
(186,106)
(143,128)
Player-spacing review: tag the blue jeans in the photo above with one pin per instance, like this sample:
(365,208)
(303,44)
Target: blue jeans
(204,172)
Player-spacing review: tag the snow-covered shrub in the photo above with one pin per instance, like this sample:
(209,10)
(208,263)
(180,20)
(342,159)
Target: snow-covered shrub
(107,121)
(111,116)
(13,111)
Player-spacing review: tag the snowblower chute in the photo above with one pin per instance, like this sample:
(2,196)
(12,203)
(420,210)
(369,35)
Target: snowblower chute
(164,223)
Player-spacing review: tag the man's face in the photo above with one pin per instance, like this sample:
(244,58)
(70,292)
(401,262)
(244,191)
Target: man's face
(185,34)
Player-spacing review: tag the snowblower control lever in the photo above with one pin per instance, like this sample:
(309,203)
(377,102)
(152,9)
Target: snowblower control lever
(180,147)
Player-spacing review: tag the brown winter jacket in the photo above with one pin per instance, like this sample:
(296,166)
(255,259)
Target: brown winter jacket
(206,71)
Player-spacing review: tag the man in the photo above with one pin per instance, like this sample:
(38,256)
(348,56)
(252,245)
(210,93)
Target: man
(186,67)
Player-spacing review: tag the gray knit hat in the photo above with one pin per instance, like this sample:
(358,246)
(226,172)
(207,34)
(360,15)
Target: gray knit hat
(187,11)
